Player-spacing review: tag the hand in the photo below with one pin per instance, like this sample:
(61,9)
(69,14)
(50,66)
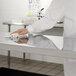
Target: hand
(21,31)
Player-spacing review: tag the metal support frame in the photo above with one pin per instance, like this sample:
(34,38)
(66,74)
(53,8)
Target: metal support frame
(9,30)
(8,58)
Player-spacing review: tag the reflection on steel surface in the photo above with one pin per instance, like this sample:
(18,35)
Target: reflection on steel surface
(37,41)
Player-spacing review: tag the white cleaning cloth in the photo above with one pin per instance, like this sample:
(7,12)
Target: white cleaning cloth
(16,36)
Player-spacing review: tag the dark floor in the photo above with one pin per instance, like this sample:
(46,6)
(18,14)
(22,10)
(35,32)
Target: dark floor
(33,66)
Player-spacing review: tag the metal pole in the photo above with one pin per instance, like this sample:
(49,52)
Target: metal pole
(9,30)
(24,26)
(9,27)
(24,54)
(9,59)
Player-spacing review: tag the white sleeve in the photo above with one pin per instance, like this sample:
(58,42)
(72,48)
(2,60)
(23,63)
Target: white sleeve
(54,13)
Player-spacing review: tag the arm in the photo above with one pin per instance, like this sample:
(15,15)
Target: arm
(54,13)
